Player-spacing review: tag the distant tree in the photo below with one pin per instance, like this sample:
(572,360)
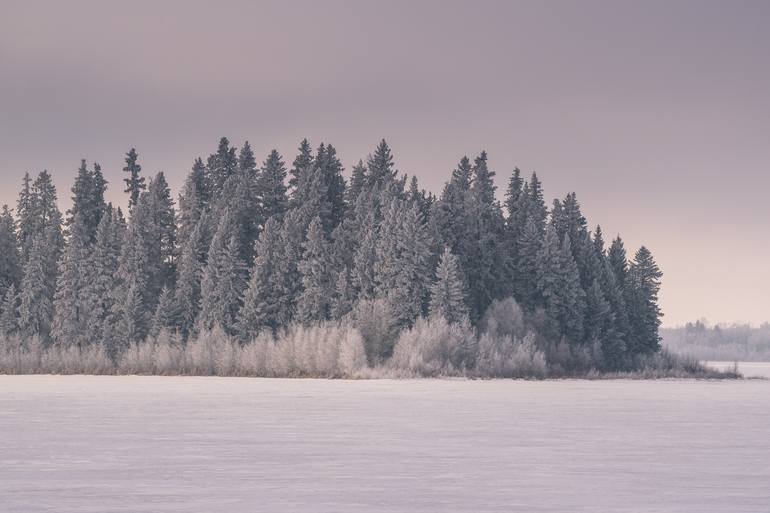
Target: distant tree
(134,182)
(344,296)
(188,287)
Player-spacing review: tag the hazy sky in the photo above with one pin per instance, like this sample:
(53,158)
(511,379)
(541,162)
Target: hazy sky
(656,113)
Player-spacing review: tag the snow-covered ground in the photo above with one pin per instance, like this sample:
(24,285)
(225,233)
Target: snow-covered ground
(161,444)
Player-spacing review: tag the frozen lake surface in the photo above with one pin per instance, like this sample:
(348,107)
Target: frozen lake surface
(162,444)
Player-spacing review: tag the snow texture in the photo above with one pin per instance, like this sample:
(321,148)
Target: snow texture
(163,444)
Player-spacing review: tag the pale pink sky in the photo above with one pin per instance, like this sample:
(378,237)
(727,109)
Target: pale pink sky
(656,113)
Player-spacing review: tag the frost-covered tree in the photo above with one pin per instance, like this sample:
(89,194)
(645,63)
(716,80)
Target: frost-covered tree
(9,312)
(220,167)
(644,315)
(71,309)
(262,302)
(223,281)
(102,281)
(271,187)
(188,285)
(134,182)
(36,294)
(314,303)
(402,268)
(10,259)
(447,297)
(88,198)
(559,287)
(344,297)
(166,315)
(302,164)
(380,167)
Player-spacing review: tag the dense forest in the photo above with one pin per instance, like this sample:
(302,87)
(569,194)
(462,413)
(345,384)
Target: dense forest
(289,260)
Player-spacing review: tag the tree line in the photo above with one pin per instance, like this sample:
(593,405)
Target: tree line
(257,249)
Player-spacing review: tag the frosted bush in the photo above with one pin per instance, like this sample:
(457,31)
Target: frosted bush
(434,347)
(506,357)
(378,328)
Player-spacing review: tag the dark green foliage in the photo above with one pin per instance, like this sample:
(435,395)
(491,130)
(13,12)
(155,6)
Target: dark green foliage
(134,182)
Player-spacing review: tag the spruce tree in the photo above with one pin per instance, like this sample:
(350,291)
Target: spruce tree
(188,285)
(134,183)
(101,282)
(193,200)
(358,182)
(10,259)
(88,198)
(644,313)
(344,295)
(223,280)
(559,287)
(166,315)
(447,298)
(314,303)
(9,314)
(381,170)
(402,267)
(262,302)
(220,167)
(26,217)
(71,310)
(271,187)
(301,165)
(36,294)
(617,258)
(365,258)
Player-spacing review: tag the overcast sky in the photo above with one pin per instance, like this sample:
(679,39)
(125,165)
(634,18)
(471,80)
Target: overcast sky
(656,113)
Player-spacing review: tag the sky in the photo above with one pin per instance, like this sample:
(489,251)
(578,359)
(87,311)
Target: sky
(656,113)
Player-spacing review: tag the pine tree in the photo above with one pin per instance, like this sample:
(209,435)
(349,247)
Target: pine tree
(188,288)
(161,233)
(381,170)
(559,287)
(617,258)
(88,198)
(26,215)
(71,310)
(223,280)
(446,294)
(102,281)
(134,182)
(302,164)
(36,294)
(166,315)
(344,295)
(262,302)
(271,187)
(525,280)
(402,267)
(365,259)
(10,260)
(193,200)
(9,316)
(644,313)
(220,167)
(314,302)
(358,182)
